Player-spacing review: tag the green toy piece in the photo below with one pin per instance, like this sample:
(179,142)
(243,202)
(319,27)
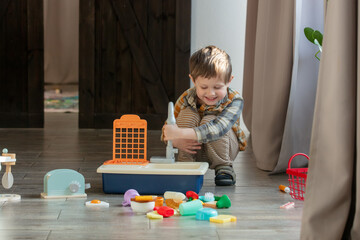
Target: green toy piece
(223,202)
(217,198)
(5,150)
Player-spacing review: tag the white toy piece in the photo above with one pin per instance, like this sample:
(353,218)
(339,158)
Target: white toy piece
(97,203)
(8,159)
(174,195)
(142,207)
(9,197)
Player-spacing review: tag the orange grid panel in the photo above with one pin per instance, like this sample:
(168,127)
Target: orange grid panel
(129,140)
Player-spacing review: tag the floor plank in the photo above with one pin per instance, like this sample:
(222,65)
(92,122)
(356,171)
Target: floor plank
(255,198)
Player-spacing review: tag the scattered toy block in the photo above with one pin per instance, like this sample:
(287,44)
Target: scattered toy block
(159,202)
(223,219)
(173,203)
(144,198)
(154,215)
(174,195)
(223,202)
(210,204)
(206,214)
(288,205)
(165,211)
(192,195)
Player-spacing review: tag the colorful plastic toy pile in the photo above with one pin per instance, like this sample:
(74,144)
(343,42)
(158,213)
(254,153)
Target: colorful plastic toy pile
(176,203)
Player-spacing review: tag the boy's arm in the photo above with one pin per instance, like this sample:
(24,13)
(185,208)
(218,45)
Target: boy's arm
(172,132)
(218,127)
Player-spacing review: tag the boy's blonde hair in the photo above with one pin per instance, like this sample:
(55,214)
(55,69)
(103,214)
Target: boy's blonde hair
(210,62)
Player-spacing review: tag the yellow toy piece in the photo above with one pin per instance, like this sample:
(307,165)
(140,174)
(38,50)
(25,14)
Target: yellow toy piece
(176,212)
(154,215)
(223,219)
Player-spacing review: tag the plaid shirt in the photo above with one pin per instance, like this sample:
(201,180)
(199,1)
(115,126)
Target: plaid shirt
(228,112)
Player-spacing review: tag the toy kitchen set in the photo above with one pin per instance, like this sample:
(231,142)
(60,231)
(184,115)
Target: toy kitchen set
(130,169)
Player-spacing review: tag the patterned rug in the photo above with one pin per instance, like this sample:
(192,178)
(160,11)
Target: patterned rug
(57,101)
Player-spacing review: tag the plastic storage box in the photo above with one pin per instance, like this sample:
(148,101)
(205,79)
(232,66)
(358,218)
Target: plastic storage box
(154,178)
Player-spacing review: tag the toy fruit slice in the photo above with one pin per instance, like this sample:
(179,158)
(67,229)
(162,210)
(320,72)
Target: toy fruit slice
(223,219)
(154,215)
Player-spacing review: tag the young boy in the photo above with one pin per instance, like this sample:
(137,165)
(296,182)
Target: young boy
(208,116)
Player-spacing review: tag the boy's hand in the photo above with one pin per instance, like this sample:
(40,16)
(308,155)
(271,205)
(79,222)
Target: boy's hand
(171,132)
(187,145)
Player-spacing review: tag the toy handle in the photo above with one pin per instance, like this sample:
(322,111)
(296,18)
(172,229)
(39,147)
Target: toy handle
(171,117)
(170,150)
(297,154)
(130,117)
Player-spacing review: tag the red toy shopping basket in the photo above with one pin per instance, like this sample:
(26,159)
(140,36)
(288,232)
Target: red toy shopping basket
(297,179)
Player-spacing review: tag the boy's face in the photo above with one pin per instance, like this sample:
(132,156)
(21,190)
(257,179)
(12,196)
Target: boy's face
(210,90)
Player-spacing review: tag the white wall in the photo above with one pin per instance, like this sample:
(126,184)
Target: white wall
(221,23)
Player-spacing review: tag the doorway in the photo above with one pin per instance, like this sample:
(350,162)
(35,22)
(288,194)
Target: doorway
(131,58)
(61,57)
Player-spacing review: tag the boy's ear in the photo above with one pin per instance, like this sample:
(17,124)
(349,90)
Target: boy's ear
(192,79)
(231,78)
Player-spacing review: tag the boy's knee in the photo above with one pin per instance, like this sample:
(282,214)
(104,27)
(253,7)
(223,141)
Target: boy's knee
(188,118)
(207,119)
(222,151)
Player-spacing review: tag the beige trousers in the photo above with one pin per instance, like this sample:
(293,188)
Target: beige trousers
(220,152)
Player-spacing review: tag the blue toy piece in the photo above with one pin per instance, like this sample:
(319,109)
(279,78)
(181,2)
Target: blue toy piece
(206,214)
(208,197)
(63,183)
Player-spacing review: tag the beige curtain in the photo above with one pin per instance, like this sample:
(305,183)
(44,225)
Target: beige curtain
(61,41)
(267,76)
(280,79)
(332,202)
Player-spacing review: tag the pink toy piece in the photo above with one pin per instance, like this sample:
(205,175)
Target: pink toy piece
(131,193)
(288,205)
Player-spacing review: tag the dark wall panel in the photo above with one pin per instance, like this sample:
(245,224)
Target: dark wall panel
(21,63)
(132,53)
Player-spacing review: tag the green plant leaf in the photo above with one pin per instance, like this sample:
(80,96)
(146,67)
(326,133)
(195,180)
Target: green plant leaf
(318,36)
(309,34)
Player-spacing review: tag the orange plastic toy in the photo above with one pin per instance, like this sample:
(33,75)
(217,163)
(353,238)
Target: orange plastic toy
(173,203)
(159,201)
(129,141)
(145,198)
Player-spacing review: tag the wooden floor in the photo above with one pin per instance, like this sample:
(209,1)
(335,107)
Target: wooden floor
(255,198)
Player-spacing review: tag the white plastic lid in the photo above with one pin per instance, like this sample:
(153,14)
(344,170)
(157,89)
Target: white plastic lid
(178,168)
